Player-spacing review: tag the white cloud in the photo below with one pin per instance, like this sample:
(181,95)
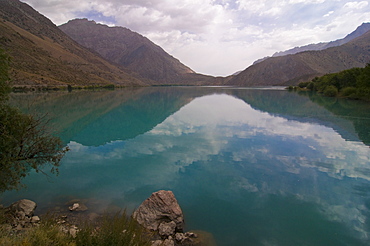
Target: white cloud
(356,5)
(329,13)
(219,37)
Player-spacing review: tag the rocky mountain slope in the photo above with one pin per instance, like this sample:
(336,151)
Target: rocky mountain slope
(362,29)
(44,55)
(303,66)
(133,51)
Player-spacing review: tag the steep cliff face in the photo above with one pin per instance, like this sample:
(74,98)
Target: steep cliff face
(44,55)
(292,69)
(129,49)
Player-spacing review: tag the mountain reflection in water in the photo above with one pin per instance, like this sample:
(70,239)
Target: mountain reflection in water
(253,167)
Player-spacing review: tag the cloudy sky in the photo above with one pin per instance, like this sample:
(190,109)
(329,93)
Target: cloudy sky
(219,37)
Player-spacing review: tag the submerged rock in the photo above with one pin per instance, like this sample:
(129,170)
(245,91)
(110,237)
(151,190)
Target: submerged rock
(79,207)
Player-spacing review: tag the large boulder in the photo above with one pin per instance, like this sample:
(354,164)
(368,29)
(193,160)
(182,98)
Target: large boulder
(22,208)
(162,214)
(160,207)
(20,214)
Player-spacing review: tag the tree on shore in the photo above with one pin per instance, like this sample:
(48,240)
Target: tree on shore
(25,141)
(351,83)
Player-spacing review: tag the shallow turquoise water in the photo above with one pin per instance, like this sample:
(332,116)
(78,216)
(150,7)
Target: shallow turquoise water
(250,166)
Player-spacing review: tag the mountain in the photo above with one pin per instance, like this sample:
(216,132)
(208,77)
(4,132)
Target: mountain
(303,66)
(133,51)
(44,55)
(362,29)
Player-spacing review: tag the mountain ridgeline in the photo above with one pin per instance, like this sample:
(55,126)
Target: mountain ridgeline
(84,53)
(304,66)
(126,48)
(129,49)
(362,29)
(44,55)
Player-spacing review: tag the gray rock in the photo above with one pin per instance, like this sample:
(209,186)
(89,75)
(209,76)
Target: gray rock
(79,207)
(191,235)
(35,219)
(167,229)
(20,213)
(180,237)
(157,243)
(185,238)
(23,208)
(168,242)
(160,207)
(74,207)
(73,231)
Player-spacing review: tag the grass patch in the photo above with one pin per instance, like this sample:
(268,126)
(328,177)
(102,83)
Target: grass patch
(112,230)
(115,230)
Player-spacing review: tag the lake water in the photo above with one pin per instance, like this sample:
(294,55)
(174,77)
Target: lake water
(251,166)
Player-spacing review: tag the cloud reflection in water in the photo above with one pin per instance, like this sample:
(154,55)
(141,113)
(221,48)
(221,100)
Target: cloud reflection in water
(243,149)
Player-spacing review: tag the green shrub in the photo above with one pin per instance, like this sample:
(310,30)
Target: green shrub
(311,86)
(349,92)
(109,86)
(330,91)
(303,84)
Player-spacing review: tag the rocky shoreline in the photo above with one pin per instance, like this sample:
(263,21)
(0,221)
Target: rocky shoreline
(160,215)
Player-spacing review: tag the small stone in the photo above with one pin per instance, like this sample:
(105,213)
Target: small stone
(73,231)
(74,207)
(64,229)
(191,235)
(78,207)
(167,229)
(157,243)
(35,219)
(168,242)
(184,238)
(180,237)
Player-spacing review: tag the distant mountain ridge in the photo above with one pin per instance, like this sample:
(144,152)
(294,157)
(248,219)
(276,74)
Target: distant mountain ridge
(44,55)
(360,30)
(303,66)
(131,50)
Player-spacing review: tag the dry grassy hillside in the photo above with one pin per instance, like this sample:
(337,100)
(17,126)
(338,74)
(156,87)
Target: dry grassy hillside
(304,66)
(44,55)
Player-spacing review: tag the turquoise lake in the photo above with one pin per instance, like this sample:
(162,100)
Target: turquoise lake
(250,166)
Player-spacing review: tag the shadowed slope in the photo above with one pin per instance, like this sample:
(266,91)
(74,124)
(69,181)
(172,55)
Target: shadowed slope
(44,55)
